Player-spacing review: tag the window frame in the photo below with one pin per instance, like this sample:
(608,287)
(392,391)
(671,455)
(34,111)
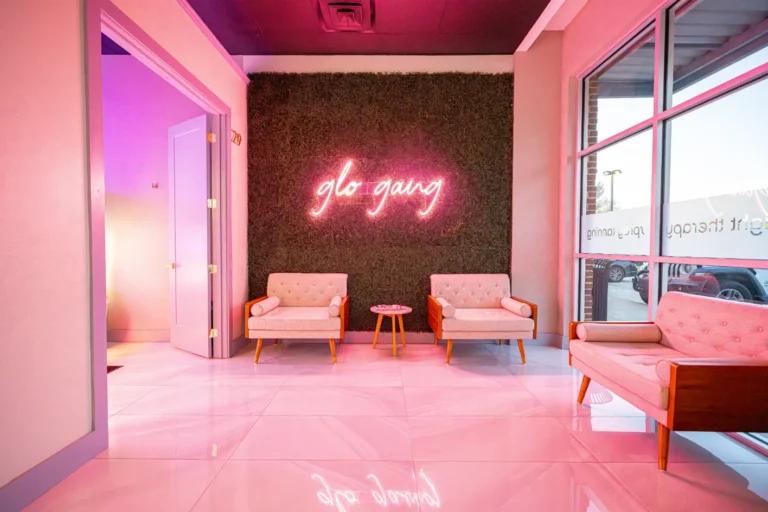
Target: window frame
(662,24)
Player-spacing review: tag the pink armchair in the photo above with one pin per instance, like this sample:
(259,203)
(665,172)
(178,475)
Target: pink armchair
(701,366)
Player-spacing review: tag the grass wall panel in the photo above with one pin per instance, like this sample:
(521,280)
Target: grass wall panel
(302,128)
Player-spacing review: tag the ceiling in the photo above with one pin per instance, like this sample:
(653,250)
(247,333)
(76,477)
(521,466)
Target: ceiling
(398,27)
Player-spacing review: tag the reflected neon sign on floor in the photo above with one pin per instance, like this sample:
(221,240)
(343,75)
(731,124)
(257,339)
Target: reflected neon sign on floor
(383,191)
(345,499)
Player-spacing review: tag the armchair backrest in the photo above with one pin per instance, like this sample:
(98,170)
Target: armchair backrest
(471,290)
(702,326)
(306,290)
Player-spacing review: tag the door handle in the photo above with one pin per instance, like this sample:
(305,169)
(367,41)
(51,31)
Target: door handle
(171,266)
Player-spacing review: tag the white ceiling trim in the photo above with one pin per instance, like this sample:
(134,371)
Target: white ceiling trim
(491,64)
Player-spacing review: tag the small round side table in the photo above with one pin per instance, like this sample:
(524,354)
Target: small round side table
(393,311)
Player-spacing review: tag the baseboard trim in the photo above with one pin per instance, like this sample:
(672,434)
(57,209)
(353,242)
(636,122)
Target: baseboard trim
(138,335)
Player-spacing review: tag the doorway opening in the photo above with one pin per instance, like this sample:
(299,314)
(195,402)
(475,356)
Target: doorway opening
(157,173)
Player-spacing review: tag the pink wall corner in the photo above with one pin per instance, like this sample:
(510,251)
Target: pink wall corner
(535,207)
(168,24)
(138,108)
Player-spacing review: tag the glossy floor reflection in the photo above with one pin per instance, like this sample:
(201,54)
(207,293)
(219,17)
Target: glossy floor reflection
(374,432)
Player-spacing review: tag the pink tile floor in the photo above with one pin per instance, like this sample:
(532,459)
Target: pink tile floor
(296,433)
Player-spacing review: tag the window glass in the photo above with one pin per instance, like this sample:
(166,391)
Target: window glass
(715,41)
(717,204)
(616,197)
(743,284)
(620,94)
(610,290)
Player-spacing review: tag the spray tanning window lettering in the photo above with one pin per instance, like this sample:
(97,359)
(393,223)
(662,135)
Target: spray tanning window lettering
(382,192)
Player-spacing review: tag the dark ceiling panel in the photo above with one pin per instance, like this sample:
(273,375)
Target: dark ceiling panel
(109,47)
(400,27)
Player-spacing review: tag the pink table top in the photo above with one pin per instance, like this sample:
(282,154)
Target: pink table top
(391,309)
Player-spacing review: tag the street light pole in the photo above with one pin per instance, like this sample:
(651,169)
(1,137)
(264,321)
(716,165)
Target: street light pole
(612,174)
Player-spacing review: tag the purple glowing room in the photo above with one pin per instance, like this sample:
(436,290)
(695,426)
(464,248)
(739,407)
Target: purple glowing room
(369,255)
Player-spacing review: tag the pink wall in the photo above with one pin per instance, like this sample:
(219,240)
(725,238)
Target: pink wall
(535,177)
(138,109)
(167,23)
(595,30)
(45,368)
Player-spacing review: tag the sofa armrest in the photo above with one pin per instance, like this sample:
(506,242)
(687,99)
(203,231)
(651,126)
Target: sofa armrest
(435,315)
(344,314)
(248,306)
(534,313)
(718,395)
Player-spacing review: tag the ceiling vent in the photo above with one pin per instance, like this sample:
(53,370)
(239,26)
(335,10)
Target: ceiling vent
(354,16)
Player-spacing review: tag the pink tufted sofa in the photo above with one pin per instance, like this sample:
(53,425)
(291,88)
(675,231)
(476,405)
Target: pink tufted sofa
(701,366)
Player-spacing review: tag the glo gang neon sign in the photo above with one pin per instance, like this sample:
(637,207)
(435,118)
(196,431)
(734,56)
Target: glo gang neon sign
(383,191)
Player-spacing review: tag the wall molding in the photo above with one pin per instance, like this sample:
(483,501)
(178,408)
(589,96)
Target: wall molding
(490,64)
(138,335)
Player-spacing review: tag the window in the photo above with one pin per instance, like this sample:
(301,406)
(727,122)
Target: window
(676,138)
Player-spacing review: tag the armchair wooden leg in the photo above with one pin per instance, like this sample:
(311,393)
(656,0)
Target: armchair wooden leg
(448,353)
(437,340)
(583,390)
(501,342)
(333,348)
(663,435)
(275,343)
(402,329)
(259,345)
(521,349)
(376,333)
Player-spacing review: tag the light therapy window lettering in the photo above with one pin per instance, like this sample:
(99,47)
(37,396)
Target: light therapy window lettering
(382,192)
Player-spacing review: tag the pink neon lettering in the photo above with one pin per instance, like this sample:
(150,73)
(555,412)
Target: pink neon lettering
(384,497)
(382,192)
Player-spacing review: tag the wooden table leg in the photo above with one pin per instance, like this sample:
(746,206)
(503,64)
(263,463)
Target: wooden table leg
(376,334)
(402,330)
(394,336)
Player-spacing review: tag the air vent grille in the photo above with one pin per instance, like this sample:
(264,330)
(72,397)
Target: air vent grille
(353,16)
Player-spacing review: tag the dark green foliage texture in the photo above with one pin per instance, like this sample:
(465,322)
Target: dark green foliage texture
(302,128)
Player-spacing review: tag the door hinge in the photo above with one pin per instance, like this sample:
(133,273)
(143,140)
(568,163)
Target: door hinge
(212,269)
(212,203)
(213,333)
(211,137)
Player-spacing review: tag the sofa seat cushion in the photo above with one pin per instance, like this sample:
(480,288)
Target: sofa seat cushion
(630,365)
(486,320)
(295,319)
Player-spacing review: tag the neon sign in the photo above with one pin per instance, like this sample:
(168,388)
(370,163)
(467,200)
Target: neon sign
(341,499)
(382,192)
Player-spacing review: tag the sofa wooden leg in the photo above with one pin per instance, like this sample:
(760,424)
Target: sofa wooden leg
(259,344)
(583,390)
(333,349)
(663,434)
(275,343)
(437,340)
(448,353)
(501,342)
(521,349)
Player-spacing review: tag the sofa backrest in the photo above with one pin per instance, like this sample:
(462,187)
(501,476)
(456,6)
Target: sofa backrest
(709,327)
(306,290)
(471,290)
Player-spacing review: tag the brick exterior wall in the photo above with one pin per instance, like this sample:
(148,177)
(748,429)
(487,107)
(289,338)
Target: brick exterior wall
(590,117)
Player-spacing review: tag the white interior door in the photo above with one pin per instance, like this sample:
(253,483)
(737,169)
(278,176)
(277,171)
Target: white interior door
(189,184)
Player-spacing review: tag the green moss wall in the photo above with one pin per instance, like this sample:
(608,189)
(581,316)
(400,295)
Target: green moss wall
(304,127)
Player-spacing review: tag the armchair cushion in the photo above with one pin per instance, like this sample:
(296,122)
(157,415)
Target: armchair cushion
(486,320)
(335,308)
(517,307)
(619,333)
(265,306)
(630,365)
(295,319)
(448,310)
